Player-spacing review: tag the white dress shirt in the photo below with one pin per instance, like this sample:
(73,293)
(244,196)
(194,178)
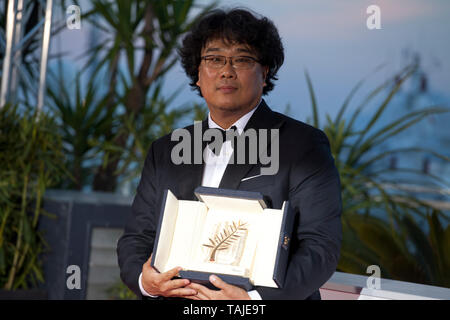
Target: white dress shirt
(215,168)
(215,165)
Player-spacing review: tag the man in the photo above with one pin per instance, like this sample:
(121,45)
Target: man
(232,58)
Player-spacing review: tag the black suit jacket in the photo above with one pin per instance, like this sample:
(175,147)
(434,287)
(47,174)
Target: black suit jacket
(307,177)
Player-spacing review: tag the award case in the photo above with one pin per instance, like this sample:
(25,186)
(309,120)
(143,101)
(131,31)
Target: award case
(229,233)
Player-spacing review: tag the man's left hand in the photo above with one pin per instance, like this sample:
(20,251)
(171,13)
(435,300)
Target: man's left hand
(226,292)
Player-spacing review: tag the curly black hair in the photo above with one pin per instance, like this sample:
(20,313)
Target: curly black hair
(233,26)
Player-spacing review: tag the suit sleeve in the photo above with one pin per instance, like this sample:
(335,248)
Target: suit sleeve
(136,244)
(315,196)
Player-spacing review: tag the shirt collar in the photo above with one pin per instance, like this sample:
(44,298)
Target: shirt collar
(240,123)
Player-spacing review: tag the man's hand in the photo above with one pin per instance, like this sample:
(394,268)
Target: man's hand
(226,292)
(161,284)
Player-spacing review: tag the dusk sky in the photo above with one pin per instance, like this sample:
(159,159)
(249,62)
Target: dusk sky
(331,40)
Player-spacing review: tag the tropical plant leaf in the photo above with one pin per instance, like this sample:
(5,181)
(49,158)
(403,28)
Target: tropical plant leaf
(397,242)
(32,159)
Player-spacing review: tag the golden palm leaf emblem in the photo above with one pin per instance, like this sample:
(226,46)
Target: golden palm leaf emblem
(224,238)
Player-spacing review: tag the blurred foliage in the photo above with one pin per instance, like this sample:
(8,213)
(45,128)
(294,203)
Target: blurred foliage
(138,46)
(397,242)
(404,252)
(153,122)
(31,157)
(82,119)
(119,291)
(31,160)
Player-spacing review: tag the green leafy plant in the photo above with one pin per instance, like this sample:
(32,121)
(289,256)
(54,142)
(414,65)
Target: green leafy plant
(155,120)
(82,119)
(369,190)
(119,291)
(31,160)
(138,48)
(408,253)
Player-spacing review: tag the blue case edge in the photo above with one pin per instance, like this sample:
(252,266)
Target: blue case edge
(281,261)
(203,278)
(239,194)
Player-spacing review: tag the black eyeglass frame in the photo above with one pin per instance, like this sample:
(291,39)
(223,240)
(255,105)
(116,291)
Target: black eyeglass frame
(228,58)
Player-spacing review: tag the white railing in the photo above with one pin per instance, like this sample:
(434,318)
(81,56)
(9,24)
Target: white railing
(346,286)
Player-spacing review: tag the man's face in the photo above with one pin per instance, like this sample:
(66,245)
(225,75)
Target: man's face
(227,88)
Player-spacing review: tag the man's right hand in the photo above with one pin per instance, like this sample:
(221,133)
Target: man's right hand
(161,284)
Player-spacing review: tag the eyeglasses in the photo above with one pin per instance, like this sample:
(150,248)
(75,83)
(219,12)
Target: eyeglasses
(237,62)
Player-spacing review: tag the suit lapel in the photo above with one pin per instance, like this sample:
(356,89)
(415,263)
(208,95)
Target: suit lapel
(190,175)
(263,118)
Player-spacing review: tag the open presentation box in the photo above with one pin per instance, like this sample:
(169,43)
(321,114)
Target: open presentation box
(230,233)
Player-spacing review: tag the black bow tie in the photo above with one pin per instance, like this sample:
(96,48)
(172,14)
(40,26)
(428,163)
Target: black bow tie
(224,138)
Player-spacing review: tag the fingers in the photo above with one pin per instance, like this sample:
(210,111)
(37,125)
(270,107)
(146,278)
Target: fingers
(168,275)
(161,284)
(169,287)
(201,296)
(175,284)
(198,287)
(173,288)
(218,283)
(198,296)
(181,292)
(171,273)
(203,293)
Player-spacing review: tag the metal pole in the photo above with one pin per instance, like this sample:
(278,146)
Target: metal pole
(44,54)
(17,52)
(10,18)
